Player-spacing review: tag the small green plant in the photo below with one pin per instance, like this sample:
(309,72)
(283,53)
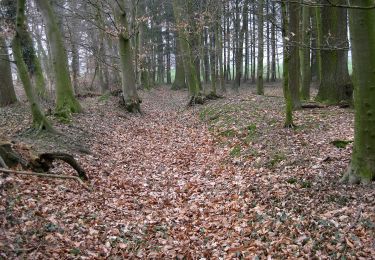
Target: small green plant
(306,184)
(236,151)
(291,180)
(228,133)
(75,251)
(341,143)
(277,157)
(104,97)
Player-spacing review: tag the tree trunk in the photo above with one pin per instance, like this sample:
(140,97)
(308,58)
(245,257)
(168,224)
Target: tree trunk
(294,64)
(305,54)
(66,103)
(260,87)
(40,121)
(130,96)
(7,94)
(362,32)
(286,61)
(179,81)
(189,66)
(273,44)
(335,83)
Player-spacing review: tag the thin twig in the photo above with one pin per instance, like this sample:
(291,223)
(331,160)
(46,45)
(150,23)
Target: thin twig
(47,175)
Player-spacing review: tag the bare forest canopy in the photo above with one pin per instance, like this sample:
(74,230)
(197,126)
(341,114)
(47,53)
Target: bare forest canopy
(210,129)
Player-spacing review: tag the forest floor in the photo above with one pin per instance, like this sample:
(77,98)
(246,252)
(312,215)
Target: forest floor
(220,181)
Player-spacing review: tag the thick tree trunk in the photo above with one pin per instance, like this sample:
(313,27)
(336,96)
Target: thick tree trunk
(179,81)
(335,83)
(189,66)
(66,103)
(7,93)
(260,87)
(362,32)
(305,54)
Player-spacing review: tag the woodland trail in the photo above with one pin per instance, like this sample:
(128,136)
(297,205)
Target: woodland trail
(165,185)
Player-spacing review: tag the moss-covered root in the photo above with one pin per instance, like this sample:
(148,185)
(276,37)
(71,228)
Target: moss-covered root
(197,100)
(64,110)
(132,105)
(356,176)
(213,96)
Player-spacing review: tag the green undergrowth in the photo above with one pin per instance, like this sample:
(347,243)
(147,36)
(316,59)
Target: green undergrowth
(233,123)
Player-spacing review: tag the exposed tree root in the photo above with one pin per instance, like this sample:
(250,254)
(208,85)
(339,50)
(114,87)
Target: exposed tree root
(37,163)
(352,177)
(132,105)
(47,175)
(213,96)
(197,100)
(313,105)
(290,126)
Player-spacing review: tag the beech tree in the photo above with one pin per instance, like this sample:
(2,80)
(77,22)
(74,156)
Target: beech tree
(362,33)
(335,85)
(40,121)
(7,93)
(66,103)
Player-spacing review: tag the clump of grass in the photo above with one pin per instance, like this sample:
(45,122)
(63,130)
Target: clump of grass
(276,158)
(236,151)
(341,144)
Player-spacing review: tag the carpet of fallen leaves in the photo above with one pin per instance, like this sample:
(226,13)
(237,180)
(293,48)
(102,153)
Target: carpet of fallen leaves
(219,181)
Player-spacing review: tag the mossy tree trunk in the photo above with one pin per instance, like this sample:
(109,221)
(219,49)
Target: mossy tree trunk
(305,54)
(129,88)
(179,81)
(335,83)
(40,121)
(189,65)
(362,32)
(286,71)
(260,86)
(7,93)
(66,103)
(294,62)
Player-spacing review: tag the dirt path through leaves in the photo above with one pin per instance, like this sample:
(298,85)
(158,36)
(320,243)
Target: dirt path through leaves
(166,186)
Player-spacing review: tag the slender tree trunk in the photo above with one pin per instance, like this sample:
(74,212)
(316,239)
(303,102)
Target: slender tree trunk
(294,64)
(7,93)
(274,44)
(286,72)
(305,54)
(362,32)
(66,103)
(40,122)
(260,87)
(239,51)
(319,40)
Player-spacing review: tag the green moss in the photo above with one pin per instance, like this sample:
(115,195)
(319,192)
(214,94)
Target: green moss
(276,158)
(341,143)
(291,180)
(305,184)
(104,97)
(228,133)
(236,151)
